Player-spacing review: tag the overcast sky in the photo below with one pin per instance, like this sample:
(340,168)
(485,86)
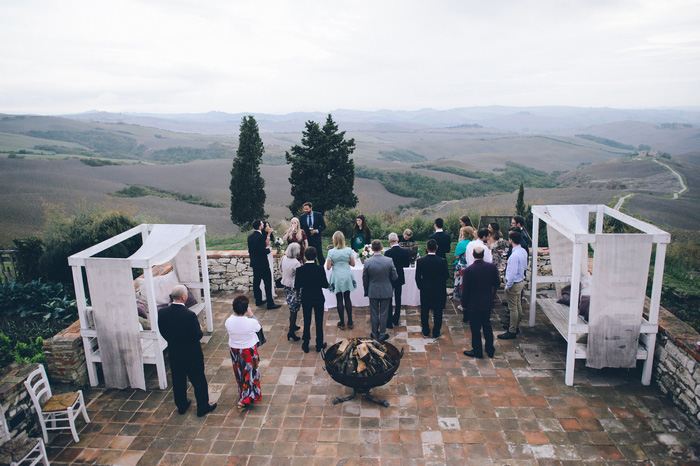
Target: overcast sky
(176,56)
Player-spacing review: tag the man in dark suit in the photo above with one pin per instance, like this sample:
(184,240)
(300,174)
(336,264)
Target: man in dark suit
(441,238)
(310,279)
(479,280)
(401,258)
(377,276)
(180,328)
(431,279)
(313,224)
(258,249)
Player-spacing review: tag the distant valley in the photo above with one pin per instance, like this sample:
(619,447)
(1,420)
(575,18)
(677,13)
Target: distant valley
(190,155)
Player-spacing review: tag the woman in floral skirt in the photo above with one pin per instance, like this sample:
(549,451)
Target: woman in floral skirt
(243,341)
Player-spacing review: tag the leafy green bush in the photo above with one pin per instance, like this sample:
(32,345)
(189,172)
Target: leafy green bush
(21,352)
(66,235)
(32,311)
(29,251)
(39,300)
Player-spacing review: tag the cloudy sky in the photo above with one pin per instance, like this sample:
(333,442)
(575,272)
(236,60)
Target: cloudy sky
(174,56)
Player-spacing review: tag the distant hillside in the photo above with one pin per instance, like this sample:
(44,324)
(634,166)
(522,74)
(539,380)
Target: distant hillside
(674,139)
(502,118)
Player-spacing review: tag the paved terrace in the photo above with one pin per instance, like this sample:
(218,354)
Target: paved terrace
(445,408)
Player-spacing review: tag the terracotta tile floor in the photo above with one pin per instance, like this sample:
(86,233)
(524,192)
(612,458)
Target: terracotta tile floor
(445,408)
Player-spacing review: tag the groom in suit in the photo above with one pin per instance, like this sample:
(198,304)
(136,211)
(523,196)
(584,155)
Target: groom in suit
(258,249)
(313,224)
(431,279)
(377,276)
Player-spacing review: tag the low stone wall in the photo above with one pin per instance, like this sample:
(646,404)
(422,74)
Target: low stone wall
(231,271)
(14,398)
(676,370)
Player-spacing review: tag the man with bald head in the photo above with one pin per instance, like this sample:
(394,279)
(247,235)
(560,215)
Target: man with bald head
(180,328)
(478,282)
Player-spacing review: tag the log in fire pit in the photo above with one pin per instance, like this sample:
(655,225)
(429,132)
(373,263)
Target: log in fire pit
(362,364)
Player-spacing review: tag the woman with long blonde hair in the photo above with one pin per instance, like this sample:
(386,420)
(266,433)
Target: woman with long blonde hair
(295,234)
(342,282)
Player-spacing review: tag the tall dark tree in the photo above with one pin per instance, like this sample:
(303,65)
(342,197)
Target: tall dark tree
(520,208)
(322,171)
(247,185)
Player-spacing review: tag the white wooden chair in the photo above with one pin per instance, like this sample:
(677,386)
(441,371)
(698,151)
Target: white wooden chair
(20,451)
(55,409)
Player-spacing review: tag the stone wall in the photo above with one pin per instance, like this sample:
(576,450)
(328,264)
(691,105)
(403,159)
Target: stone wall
(14,398)
(676,370)
(231,271)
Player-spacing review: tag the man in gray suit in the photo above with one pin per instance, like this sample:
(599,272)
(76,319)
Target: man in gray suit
(377,275)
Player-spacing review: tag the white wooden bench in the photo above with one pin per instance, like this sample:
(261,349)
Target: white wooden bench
(558,315)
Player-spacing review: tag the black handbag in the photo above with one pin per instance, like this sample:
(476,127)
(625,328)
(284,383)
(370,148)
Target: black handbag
(260,334)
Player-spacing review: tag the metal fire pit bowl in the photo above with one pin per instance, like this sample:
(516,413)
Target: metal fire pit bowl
(362,385)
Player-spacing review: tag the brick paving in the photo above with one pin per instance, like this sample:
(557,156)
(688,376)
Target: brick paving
(445,408)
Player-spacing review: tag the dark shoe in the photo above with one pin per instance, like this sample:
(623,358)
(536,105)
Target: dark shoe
(207,409)
(272,305)
(390,325)
(305,347)
(425,334)
(292,336)
(472,354)
(491,353)
(507,336)
(437,335)
(183,409)
(321,346)
(396,321)
(341,325)
(350,324)
(385,337)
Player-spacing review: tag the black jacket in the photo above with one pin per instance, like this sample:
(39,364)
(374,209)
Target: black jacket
(180,328)
(431,277)
(478,281)
(311,279)
(443,242)
(401,258)
(257,250)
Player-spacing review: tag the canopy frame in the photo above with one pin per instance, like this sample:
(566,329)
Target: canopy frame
(580,241)
(151,338)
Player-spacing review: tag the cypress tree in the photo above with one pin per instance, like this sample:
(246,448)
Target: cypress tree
(520,208)
(247,185)
(322,171)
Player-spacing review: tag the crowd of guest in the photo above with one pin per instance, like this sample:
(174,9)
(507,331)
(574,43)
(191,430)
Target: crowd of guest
(483,261)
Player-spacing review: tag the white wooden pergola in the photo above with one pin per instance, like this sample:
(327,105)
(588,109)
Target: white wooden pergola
(109,327)
(572,223)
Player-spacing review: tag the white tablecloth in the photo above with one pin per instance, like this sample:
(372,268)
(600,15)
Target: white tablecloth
(410,295)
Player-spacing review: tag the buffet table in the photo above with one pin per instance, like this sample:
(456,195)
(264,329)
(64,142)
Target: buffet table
(410,295)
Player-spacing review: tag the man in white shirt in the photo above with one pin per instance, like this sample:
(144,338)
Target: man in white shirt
(469,254)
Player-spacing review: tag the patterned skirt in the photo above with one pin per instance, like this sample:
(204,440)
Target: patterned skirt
(293,299)
(245,367)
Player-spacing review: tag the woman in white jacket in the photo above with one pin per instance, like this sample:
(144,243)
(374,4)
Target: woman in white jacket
(289,270)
